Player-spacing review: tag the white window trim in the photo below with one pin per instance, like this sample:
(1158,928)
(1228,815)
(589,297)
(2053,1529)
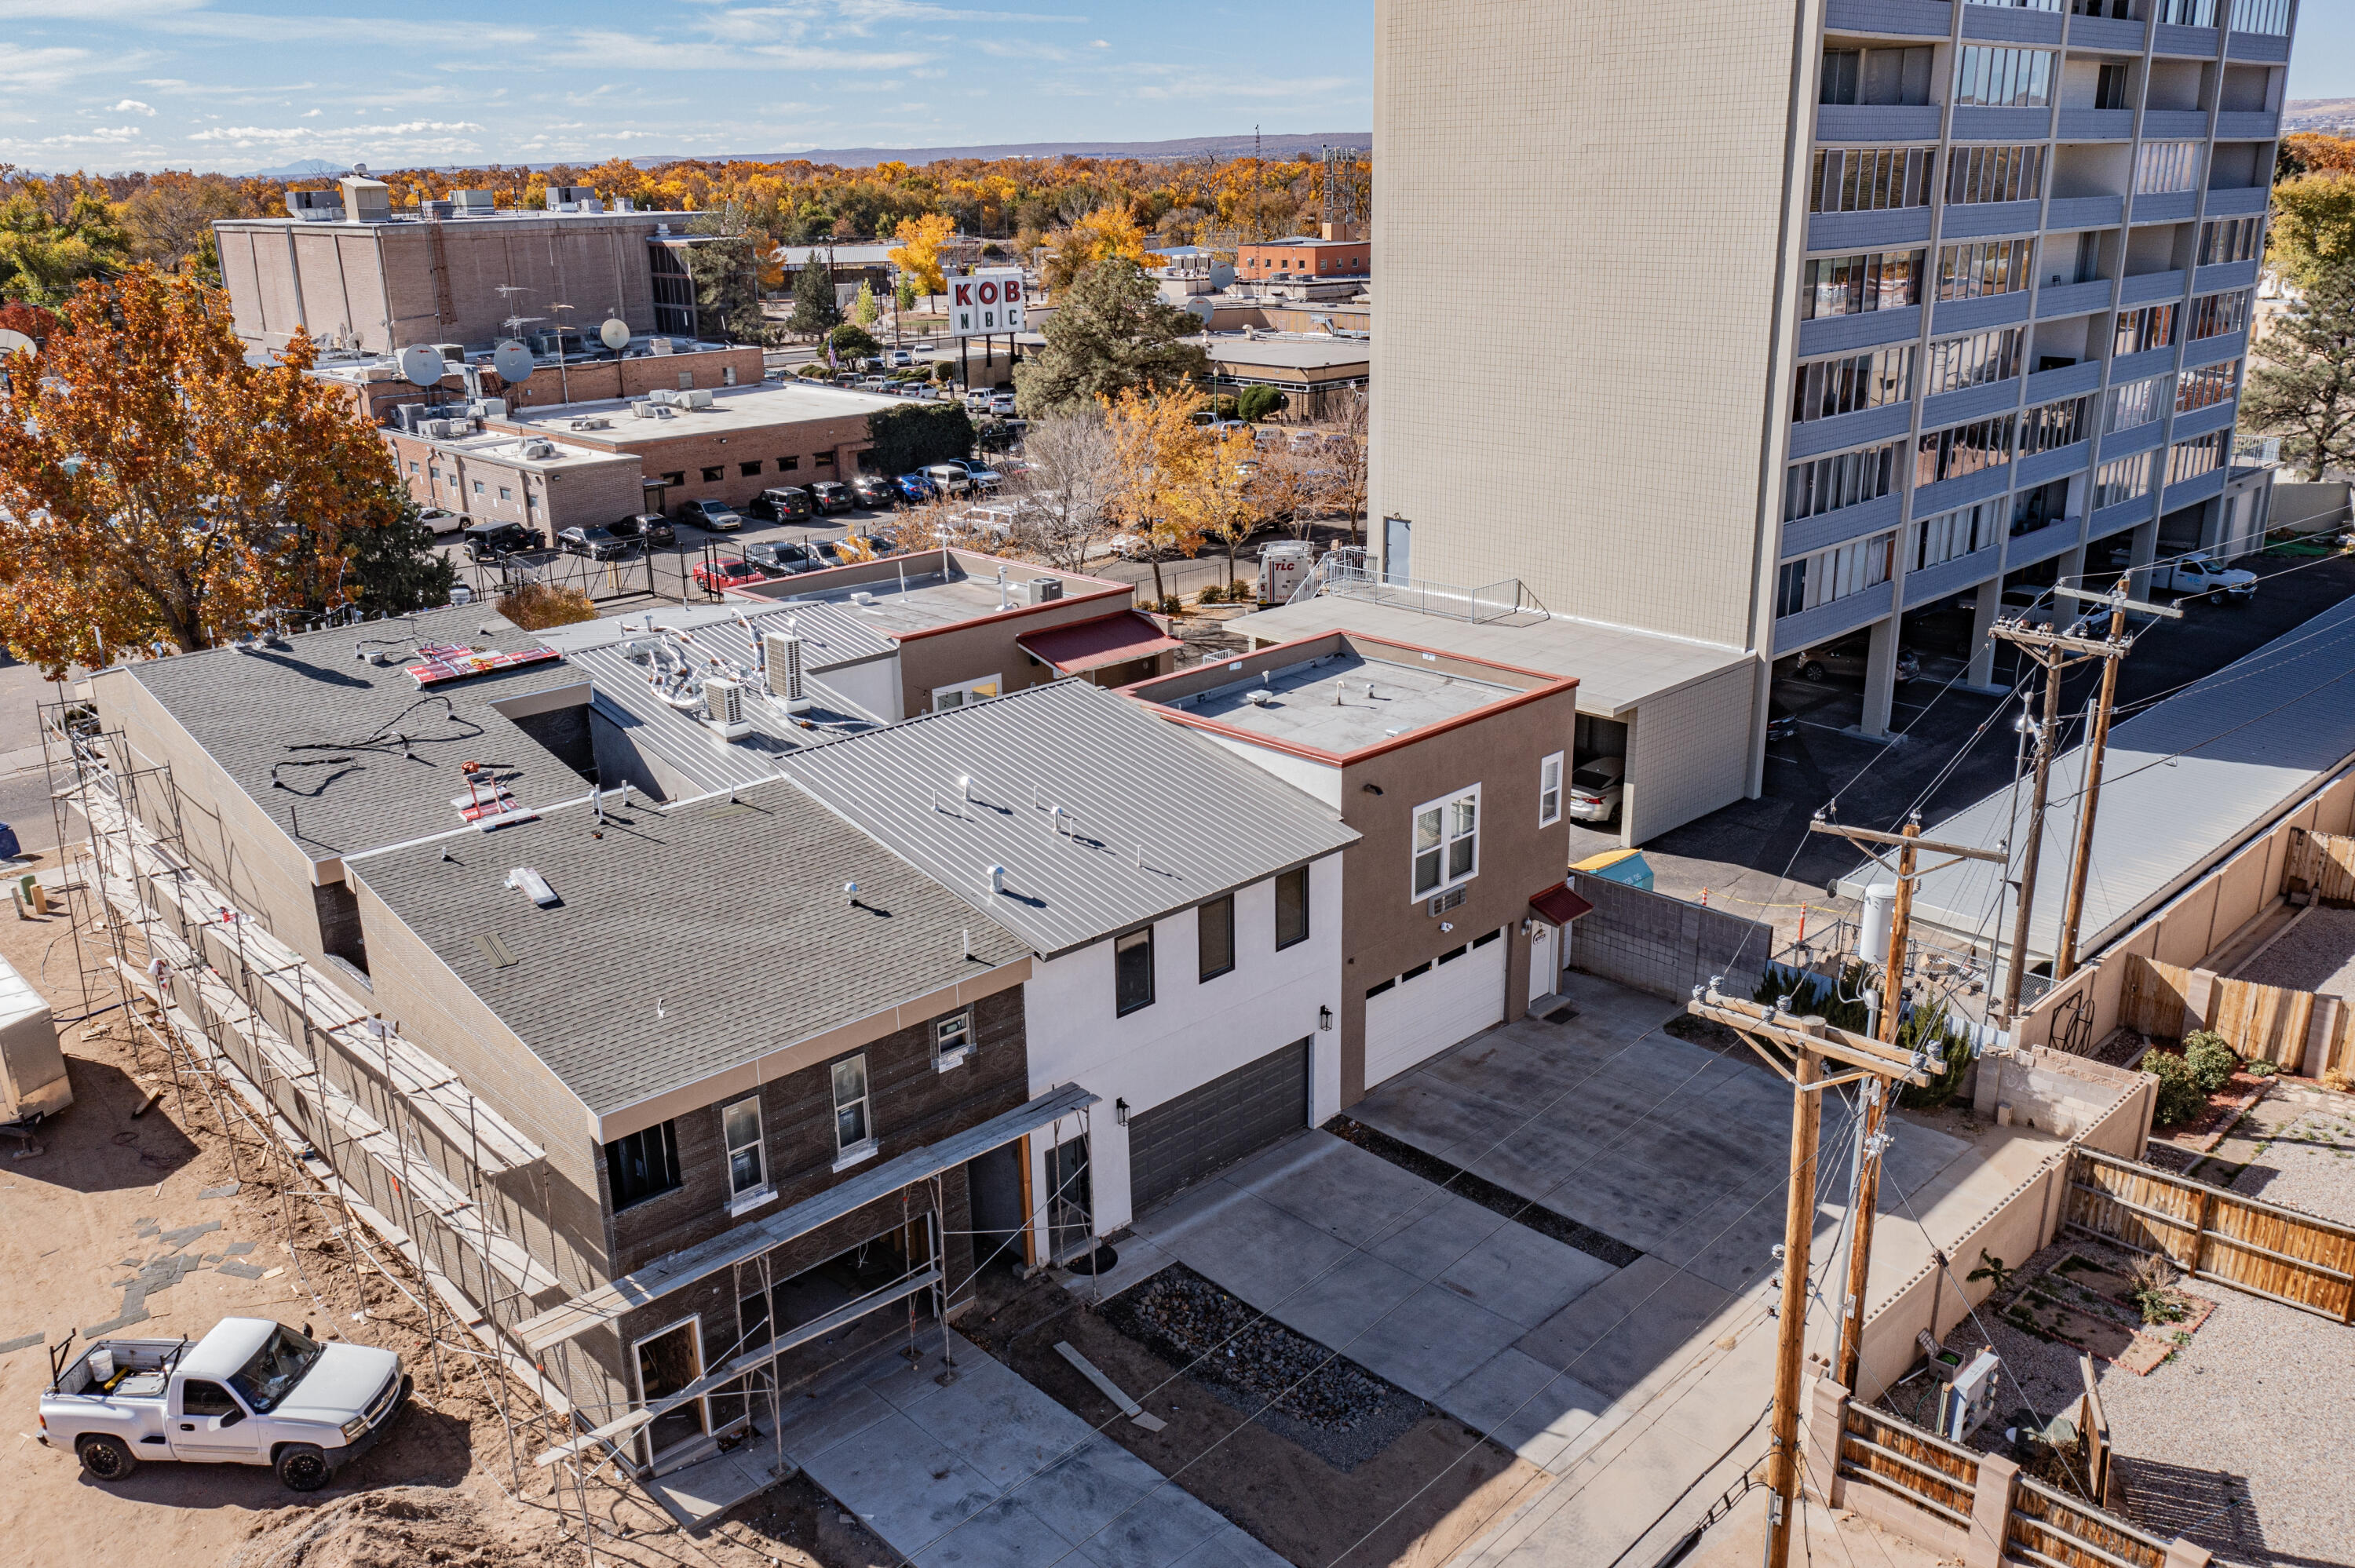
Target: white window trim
(1546,819)
(1445,882)
(848,1155)
(943,1061)
(765,1188)
(996,684)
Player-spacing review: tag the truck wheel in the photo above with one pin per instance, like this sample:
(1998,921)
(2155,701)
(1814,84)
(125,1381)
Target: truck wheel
(106,1458)
(303,1468)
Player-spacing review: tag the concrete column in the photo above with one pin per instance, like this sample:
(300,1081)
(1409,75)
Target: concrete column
(1979,675)
(1990,1511)
(2141,551)
(2182,1553)
(1819,1448)
(1879,677)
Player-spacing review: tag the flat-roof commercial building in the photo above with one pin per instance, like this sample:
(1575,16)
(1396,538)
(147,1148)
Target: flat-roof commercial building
(1310,368)
(1339,250)
(1962,294)
(1453,772)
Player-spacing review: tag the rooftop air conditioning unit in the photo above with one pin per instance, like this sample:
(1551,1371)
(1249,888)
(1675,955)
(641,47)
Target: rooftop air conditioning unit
(1042,591)
(434,211)
(781,657)
(471,204)
(539,451)
(723,709)
(659,345)
(436,429)
(662,394)
(490,408)
(693,397)
(643,411)
(315,206)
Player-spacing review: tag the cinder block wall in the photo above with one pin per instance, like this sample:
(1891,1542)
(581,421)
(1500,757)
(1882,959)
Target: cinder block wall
(1664,944)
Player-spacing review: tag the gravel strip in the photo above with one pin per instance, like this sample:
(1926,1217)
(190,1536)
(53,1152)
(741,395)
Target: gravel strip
(2308,1165)
(2316,953)
(2253,1411)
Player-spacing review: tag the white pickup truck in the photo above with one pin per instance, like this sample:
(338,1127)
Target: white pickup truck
(2198,574)
(250,1392)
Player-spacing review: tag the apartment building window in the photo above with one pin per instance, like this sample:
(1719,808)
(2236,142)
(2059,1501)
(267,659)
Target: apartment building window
(478,487)
(2151,326)
(2049,427)
(435,474)
(642,1165)
(2186,13)
(2261,17)
(2052,6)
(1852,285)
(1982,268)
(1974,361)
(2110,86)
(1994,173)
(2227,240)
(951,1039)
(713,475)
(1446,842)
(2046,504)
(2123,479)
(823,459)
(1951,536)
(1132,972)
(853,1134)
(1825,485)
(413,465)
(1292,907)
(1549,790)
(1839,573)
(1987,78)
(2136,403)
(740,1133)
(676,478)
(2117,10)
(2201,454)
(748,470)
(1876,76)
(2164,166)
(1214,925)
(2206,387)
(1827,388)
(2212,315)
(1870,179)
(1960,450)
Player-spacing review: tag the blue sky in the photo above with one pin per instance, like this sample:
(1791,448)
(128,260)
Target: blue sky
(239,85)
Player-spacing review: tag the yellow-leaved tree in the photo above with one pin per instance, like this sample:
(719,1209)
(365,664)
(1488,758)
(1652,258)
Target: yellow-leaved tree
(918,253)
(1107,232)
(1157,452)
(158,492)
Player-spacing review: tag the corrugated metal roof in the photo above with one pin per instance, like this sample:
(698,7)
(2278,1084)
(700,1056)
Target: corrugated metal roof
(2186,782)
(1157,817)
(625,700)
(831,634)
(1112,638)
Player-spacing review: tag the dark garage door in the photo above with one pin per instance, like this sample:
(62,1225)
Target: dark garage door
(1209,1128)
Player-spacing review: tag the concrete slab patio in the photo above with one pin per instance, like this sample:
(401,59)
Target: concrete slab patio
(988,1472)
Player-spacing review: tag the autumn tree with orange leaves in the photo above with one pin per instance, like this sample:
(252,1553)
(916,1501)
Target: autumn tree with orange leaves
(158,494)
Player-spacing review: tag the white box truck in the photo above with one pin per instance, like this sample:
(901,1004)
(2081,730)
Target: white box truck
(32,1069)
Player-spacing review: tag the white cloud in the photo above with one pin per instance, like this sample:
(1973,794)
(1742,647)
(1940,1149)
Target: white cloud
(91,10)
(131,106)
(40,66)
(103,136)
(623,51)
(313,113)
(1098,43)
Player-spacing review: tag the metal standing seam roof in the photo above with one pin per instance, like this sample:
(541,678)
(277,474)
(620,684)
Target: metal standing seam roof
(692,748)
(2185,782)
(832,635)
(1157,817)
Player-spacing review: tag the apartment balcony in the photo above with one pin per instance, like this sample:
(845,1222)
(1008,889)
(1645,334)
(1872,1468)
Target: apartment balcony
(2105,33)
(2142,438)
(1878,121)
(2215,350)
(1930,500)
(2247,125)
(1826,621)
(2057,300)
(2262,48)
(2001,124)
(2174,125)
(2097,125)
(2150,288)
(2236,201)
(1970,402)
(2054,539)
(2125,514)
(2225,275)
(2059,464)
(2201,421)
(1978,315)
(1868,230)
(2069,381)
(1975,220)
(1809,534)
(2135,366)
(2085,212)
(1895,18)
(2192,491)
(1814,438)
(2011,25)
(1835,335)
(1952,577)
(2200,42)
(2166,207)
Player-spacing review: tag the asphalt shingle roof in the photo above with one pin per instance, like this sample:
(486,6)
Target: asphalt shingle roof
(1157,817)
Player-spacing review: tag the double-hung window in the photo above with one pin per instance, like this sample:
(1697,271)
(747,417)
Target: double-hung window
(747,1166)
(1446,842)
(1549,790)
(1292,907)
(853,1134)
(1132,972)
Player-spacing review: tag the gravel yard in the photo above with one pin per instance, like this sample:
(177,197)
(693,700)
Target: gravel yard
(2308,1164)
(2314,952)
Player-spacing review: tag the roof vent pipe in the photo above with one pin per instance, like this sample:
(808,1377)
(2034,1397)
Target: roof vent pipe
(964,787)
(997,879)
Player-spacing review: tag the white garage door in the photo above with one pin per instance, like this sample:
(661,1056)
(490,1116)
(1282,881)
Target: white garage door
(1422,1015)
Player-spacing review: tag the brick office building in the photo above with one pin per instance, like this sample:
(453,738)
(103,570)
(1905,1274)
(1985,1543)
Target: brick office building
(1341,251)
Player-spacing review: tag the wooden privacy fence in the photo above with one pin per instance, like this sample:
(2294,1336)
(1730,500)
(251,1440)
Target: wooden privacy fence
(2300,1029)
(2322,864)
(2050,1530)
(2210,1234)
(1899,1457)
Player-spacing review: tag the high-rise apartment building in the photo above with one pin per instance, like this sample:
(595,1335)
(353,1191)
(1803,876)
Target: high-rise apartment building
(1804,320)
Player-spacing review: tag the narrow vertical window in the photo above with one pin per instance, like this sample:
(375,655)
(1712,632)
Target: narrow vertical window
(852,1134)
(1131,964)
(1292,907)
(1216,923)
(1549,790)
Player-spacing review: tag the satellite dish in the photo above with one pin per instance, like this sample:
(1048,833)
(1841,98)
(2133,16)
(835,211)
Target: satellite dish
(614,334)
(421,363)
(512,360)
(12,342)
(1200,309)
(359,169)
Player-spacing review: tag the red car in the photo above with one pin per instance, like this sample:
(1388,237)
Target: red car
(716,577)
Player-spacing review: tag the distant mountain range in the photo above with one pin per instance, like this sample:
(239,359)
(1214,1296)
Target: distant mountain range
(306,169)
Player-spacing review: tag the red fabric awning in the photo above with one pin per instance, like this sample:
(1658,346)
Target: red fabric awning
(1084,645)
(1558,906)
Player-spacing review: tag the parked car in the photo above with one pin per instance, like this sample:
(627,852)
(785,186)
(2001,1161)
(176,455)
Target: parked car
(1782,723)
(897,358)
(717,515)
(1129,547)
(827,553)
(1002,403)
(874,546)
(873,490)
(915,487)
(597,544)
(1849,657)
(980,472)
(1597,788)
(716,576)
(830,496)
(441,520)
(486,542)
(2198,574)
(783,504)
(252,1392)
(782,559)
(646,527)
(949,478)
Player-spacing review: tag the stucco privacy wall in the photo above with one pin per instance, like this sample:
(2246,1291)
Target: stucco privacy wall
(2200,920)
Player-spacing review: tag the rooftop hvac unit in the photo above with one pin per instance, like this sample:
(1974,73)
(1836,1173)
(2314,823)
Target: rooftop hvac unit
(367,200)
(662,394)
(658,346)
(472,203)
(315,206)
(643,411)
(1042,591)
(492,409)
(539,451)
(723,709)
(693,397)
(570,196)
(434,211)
(439,429)
(782,651)
(450,352)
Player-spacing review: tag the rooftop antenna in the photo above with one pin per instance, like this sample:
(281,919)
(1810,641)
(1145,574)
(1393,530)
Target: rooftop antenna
(564,382)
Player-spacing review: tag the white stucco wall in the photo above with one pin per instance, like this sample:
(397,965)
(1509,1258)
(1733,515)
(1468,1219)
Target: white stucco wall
(1195,1031)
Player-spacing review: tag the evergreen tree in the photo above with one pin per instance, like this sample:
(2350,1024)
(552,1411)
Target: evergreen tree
(815,307)
(1111,334)
(2303,389)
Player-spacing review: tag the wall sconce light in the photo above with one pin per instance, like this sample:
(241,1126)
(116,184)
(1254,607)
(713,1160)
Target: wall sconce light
(1325,1020)
(1446,926)
(1120,1112)
(1526,926)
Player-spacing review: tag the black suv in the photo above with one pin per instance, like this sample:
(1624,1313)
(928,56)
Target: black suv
(488,541)
(783,504)
(874,490)
(645,527)
(782,560)
(831,495)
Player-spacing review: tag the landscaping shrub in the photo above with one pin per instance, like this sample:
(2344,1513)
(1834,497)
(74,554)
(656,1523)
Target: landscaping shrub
(2179,1096)
(536,607)
(1253,404)
(1171,604)
(2212,1062)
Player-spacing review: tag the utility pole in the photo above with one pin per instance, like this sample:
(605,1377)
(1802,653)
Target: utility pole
(1808,1042)
(2064,961)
